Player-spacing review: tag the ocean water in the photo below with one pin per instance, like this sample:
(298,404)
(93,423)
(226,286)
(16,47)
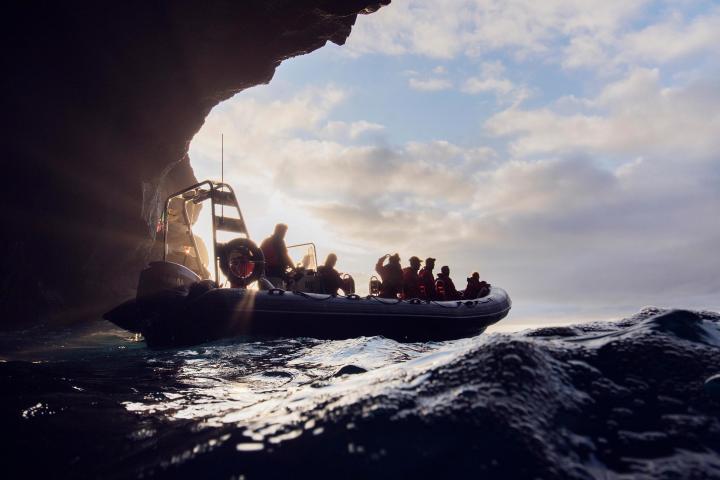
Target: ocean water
(635,398)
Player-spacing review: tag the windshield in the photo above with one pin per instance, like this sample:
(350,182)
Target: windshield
(304,256)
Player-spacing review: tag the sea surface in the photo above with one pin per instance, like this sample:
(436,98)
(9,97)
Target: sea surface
(635,398)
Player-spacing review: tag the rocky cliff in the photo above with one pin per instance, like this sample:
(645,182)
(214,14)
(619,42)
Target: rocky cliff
(101,100)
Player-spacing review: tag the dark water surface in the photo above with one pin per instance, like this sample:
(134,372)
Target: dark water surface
(600,400)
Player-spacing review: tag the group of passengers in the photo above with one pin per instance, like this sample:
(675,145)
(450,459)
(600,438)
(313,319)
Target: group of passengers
(416,282)
(396,282)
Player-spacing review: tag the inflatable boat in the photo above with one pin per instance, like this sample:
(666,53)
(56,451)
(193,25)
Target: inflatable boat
(177,304)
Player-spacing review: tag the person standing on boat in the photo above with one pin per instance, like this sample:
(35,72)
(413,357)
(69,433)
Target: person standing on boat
(444,286)
(330,279)
(475,287)
(277,259)
(411,281)
(391,275)
(427,280)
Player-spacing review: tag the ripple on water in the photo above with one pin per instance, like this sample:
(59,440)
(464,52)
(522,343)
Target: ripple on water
(601,399)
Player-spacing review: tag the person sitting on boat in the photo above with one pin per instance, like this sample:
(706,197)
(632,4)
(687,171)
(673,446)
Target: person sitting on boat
(277,259)
(391,275)
(475,287)
(411,281)
(330,280)
(427,280)
(444,286)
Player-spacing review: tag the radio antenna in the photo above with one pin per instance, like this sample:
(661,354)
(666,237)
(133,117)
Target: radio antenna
(222,171)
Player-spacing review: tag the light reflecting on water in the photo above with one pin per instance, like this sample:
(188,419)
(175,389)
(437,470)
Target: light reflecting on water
(369,407)
(268,387)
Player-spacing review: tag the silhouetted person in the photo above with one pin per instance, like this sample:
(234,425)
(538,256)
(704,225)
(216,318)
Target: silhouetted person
(444,286)
(277,259)
(427,280)
(391,276)
(475,287)
(330,279)
(410,280)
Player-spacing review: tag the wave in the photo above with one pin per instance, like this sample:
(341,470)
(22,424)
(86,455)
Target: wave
(631,398)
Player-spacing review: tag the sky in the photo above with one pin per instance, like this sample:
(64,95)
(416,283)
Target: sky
(569,151)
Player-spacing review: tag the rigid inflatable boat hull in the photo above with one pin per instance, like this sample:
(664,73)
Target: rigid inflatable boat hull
(225,313)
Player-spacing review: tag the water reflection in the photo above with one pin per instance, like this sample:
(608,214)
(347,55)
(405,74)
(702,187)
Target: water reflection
(265,387)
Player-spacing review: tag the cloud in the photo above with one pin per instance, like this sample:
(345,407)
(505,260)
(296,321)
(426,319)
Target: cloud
(500,86)
(429,84)
(676,37)
(352,130)
(601,35)
(607,199)
(447,28)
(634,116)
(492,80)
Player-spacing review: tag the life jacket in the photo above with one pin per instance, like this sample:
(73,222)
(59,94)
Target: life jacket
(475,289)
(410,284)
(269,251)
(427,284)
(445,288)
(270,247)
(440,289)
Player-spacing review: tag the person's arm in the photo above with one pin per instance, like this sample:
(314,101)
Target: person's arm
(338,280)
(379,265)
(287,261)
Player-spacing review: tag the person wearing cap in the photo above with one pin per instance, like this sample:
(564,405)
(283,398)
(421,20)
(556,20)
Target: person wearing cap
(476,288)
(410,279)
(427,280)
(444,286)
(391,275)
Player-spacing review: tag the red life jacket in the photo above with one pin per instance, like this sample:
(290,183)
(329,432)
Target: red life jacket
(410,284)
(427,284)
(274,262)
(476,288)
(268,248)
(446,288)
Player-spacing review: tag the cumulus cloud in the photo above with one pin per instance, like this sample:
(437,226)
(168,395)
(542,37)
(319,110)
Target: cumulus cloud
(607,196)
(638,229)
(293,152)
(447,28)
(492,79)
(674,38)
(599,34)
(634,116)
(429,84)
(351,130)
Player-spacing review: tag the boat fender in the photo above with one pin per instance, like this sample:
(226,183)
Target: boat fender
(352,296)
(248,261)
(415,301)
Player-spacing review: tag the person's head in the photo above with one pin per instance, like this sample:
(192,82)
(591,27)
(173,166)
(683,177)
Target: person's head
(475,276)
(445,270)
(415,262)
(331,260)
(429,263)
(280,230)
(394,258)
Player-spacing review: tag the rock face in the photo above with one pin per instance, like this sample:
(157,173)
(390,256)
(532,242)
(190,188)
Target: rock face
(101,102)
